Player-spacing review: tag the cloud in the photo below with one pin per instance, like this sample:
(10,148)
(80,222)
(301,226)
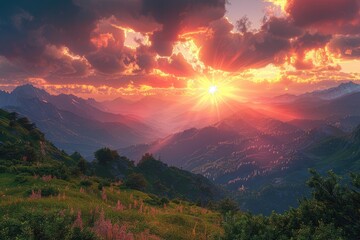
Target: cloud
(83,41)
(35,34)
(176,65)
(145,59)
(231,51)
(282,27)
(346,46)
(303,44)
(177,16)
(329,16)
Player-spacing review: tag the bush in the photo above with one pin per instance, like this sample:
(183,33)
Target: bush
(105,155)
(331,214)
(176,201)
(154,200)
(228,206)
(86,183)
(45,191)
(35,225)
(11,228)
(3,169)
(21,179)
(103,183)
(37,135)
(49,191)
(164,200)
(136,181)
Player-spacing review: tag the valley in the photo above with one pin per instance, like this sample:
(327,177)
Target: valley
(244,152)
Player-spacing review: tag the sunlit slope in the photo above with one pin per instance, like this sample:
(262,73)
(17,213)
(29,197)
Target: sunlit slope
(45,195)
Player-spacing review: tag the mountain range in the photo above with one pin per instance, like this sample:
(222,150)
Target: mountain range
(261,151)
(72,123)
(253,149)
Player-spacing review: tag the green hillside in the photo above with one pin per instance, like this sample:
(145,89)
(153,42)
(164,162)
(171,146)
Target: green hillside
(341,153)
(160,179)
(45,195)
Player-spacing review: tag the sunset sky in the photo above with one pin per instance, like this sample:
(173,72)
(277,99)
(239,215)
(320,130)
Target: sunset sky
(109,48)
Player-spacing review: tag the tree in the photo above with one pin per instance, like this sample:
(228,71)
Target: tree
(13,116)
(337,204)
(228,205)
(331,214)
(81,162)
(82,165)
(37,135)
(105,155)
(30,154)
(76,156)
(136,181)
(147,157)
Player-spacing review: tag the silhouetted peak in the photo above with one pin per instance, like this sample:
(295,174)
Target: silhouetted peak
(348,85)
(29,91)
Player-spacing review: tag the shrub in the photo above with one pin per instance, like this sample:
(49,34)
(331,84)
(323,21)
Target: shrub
(164,200)
(176,201)
(21,179)
(136,181)
(35,225)
(45,191)
(228,206)
(3,169)
(11,228)
(85,183)
(103,183)
(154,200)
(105,155)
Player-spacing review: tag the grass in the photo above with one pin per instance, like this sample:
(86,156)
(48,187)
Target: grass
(36,205)
(173,221)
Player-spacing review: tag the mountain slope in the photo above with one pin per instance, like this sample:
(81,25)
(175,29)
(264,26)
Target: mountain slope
(162,180)
(338,153)
(336,92)
(74,125)
(230,152)
(44,194)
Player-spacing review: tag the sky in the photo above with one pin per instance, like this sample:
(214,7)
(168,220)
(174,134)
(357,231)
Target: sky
(109,48)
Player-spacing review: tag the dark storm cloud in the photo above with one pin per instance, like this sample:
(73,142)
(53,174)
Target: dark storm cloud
(127,12)
(230,51)
(56,22)
(176,65)
(346,46)
(179,15)
(309,41)
(34,33)
(77,38)
(145,59)
(282,27)
(332,16)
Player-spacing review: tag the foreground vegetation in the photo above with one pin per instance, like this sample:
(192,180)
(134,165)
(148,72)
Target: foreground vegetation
(47,194)
(35,207)
(333,212)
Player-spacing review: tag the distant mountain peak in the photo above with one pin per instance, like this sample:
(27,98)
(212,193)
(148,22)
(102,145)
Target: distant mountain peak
(341,90)
(349,84)
(29,91)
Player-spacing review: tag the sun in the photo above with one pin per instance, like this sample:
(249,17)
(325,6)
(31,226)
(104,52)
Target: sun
(213,89)
(214,95)
(214,92)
